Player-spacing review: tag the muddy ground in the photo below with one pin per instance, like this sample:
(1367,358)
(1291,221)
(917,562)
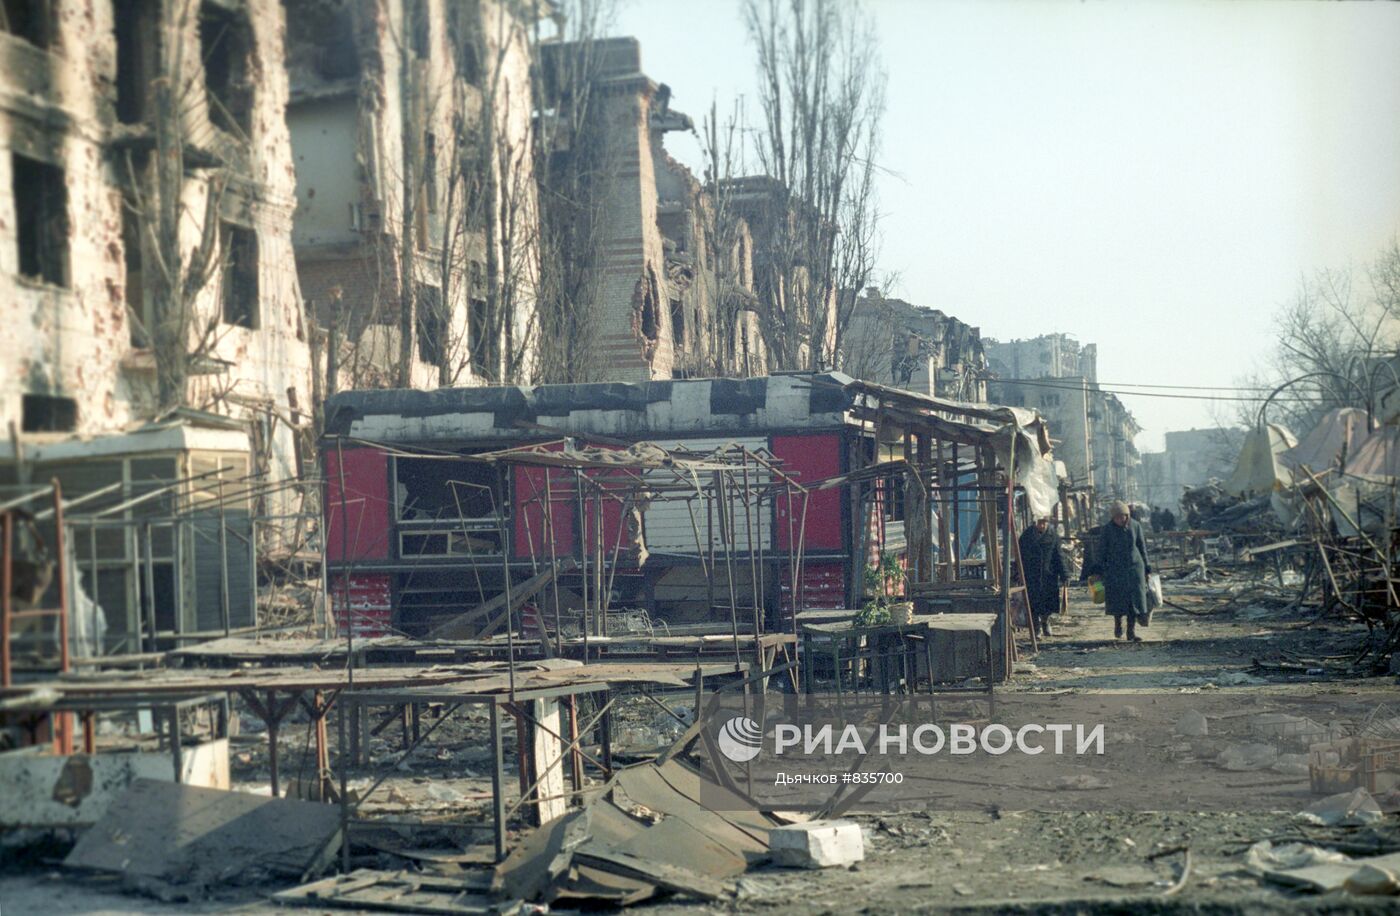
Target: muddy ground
(990,860)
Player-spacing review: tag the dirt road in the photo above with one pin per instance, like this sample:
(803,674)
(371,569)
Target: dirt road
(1008,860)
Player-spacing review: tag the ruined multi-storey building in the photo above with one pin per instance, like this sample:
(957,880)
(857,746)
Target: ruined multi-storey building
(1190,459)
(415,221)
(922,349)
(146,282)
(1093,430)
(107,107)
(675,294)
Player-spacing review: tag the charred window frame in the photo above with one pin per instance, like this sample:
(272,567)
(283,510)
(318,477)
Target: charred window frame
(226,49)
(420,29)
(30,20)
(463,34)
(322,33)
(45,413)
(483,341)
(135,287)
(678,322)
(238,246)
(137,35)
(432,325)
(41,219)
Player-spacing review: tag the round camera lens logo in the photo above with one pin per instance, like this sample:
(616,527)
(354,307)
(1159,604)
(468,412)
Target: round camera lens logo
(740,739)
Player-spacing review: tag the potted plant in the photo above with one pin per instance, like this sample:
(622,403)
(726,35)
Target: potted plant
(884,582)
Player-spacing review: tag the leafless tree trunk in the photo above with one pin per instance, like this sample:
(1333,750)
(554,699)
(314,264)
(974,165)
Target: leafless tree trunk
(821,91)
(571,165)
(173,279)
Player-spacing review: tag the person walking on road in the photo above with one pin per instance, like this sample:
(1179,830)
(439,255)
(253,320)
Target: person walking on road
(1045,573)
(1121,562)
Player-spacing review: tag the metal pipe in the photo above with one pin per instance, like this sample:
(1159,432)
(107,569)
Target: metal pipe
(505,574)
(6,538)
(39,493)
(60,546)
(223,561)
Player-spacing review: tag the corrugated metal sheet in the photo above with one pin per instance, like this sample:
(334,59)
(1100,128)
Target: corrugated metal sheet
(668,522)
(361,532)
(208,575)
(811,458)
(823,586)
(370,611)
(528,505)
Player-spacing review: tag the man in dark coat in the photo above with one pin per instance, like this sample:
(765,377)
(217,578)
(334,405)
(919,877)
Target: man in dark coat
(1121,561)
(1045,573)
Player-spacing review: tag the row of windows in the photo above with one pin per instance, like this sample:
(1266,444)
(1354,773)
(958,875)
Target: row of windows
(42,240)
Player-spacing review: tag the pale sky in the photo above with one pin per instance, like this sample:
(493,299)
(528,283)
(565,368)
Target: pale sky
(1153,178)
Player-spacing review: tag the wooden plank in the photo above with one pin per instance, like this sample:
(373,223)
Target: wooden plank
(397,892)
(458,627)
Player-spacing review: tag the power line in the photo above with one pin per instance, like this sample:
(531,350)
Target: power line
(1053,384)
(1055,378)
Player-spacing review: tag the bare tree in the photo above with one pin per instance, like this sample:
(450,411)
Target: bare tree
(572,168)
(821,92)
(173,279)
(723,148)
(1337,343)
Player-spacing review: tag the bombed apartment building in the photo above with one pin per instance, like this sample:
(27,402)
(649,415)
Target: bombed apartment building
(415,197)
(1094,431)
(675,291)
(147,288)
(921,349)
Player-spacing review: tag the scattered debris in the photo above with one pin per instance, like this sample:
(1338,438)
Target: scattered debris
(1346,809)
(1252,756)
(1193,724)
(818,844)
(178,840)
(1323,870)
(601,854)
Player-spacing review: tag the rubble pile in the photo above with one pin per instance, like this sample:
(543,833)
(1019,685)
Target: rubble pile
(1210,508)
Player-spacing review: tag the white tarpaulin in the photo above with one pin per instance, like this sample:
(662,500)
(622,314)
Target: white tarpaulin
(1259,469)
(1378,455)
(1334,439)
(1367,501)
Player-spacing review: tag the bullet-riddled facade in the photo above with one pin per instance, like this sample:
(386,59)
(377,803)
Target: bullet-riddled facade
(88,289)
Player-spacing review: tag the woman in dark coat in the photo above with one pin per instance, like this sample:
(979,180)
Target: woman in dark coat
(1045,572)
(1122,563)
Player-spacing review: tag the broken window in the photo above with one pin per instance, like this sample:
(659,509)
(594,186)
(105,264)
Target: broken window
(137,43)
(648,295)
(225,43)
(27,19)
(677,323)
(41,217)
(463,35)
(432,325)
(483,340)
(430,165)
(44,413)
(321,36)
(446,508)
(239,247)
(420,29)
(139,321)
